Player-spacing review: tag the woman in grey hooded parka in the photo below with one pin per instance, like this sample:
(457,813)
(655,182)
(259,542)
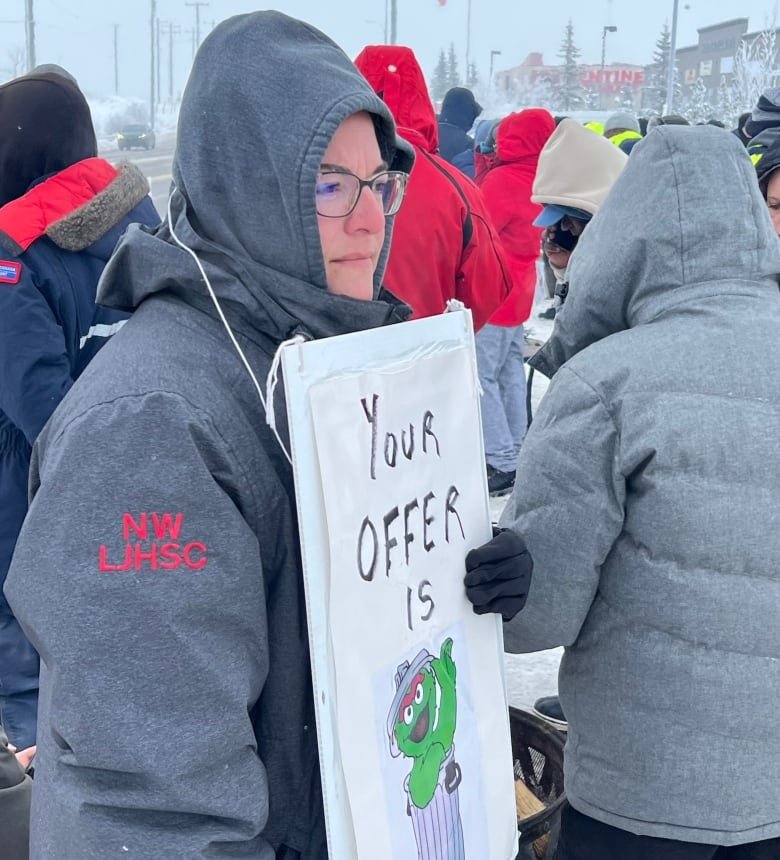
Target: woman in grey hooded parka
(655,455)
(163,590)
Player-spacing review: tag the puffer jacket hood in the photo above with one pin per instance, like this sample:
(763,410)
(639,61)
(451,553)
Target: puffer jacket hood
(664,195)
(395,76)
(521,136)
(460,108)
(45,126)
(242,196)
(577,168)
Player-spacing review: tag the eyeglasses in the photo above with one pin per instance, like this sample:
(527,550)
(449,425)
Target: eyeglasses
(337,192)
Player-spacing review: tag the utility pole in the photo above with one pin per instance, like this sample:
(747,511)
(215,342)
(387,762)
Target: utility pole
(157,51)
(197,6)
(172,29)
(393,22)
(116,59)
(152,59)
(604,30)
(672,59)
(29,28)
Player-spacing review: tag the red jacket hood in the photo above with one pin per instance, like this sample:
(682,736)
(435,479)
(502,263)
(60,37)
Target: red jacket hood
(521,136)
(395,76)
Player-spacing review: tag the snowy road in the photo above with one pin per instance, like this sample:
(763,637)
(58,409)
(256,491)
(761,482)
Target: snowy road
(155,165)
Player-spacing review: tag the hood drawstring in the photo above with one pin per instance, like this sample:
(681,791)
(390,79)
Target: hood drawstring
(273,373)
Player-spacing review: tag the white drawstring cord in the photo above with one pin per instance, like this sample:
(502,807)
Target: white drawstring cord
(271,380)
(270,388)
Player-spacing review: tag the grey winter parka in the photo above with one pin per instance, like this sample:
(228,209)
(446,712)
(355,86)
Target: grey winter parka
(158,573)
(655,458)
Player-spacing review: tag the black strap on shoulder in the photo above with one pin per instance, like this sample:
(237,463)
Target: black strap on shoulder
(468,226)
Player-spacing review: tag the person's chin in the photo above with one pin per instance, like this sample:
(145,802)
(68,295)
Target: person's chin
(346,284)
(559,259)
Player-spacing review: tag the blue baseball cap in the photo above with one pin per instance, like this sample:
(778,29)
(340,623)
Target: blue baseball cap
(553,213)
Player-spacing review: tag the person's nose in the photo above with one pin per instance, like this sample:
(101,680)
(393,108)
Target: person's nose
(367,214)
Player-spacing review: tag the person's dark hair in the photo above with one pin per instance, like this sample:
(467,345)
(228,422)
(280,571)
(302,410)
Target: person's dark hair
(642,120)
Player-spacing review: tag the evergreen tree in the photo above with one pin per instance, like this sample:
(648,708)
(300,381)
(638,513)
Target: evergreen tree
(453,75)
(659,71)
(698,107)
(626,98)
(440,82)
(729,107)
(754,66)
(570,94)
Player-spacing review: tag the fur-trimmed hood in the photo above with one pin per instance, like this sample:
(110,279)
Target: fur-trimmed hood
(75,208)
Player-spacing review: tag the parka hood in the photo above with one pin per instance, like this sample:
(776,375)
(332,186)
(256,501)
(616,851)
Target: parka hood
(577,168)
(522,136)
(395,76)
(460,108)
(684,222)
(45,126)
(264,98)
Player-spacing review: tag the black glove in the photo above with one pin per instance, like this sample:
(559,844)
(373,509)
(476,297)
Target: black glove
(499,575)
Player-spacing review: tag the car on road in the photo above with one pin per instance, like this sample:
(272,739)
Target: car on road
(141,136)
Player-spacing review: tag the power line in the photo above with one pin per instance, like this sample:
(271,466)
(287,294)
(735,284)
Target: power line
(197,6)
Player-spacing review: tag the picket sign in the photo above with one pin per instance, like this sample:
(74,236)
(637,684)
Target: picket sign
(409,690)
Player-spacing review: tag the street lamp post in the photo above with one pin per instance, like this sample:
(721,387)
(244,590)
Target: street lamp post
(468,37)
(490,74)
(672,58)
(608,28)
(393,22)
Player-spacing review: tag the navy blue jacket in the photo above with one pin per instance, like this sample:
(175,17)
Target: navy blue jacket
(458,112)
(54,244)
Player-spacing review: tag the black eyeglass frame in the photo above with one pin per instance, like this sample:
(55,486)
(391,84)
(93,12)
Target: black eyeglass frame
(366,183)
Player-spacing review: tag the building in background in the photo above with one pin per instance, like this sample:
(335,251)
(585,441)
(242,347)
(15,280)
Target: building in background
(534,83)
(720,76)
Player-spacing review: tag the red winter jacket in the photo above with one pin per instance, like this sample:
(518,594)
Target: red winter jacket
(507,192)
(444,245)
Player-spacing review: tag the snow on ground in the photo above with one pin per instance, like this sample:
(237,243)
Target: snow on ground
(110,114)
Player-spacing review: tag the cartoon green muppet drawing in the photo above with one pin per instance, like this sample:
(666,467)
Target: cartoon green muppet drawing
(421,727)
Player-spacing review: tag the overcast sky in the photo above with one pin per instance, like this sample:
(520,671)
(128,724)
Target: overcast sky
(79,34)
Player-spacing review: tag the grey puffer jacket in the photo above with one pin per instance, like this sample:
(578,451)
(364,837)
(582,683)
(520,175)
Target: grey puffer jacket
(654,456)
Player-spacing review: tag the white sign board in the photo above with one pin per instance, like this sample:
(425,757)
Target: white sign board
(390,479)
